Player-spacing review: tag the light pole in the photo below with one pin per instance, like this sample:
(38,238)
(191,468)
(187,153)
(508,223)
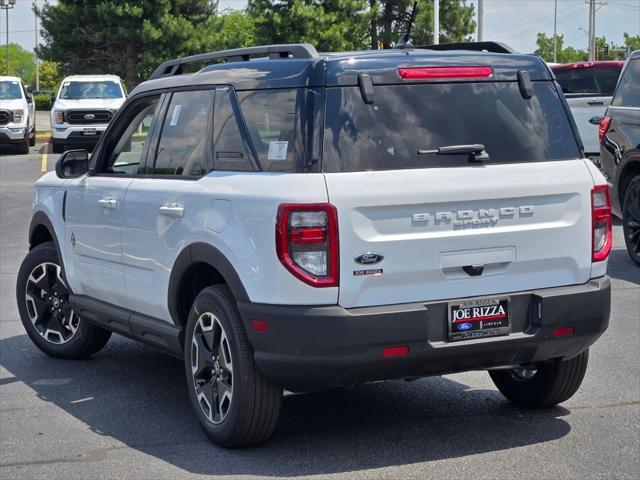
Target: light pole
(6,5)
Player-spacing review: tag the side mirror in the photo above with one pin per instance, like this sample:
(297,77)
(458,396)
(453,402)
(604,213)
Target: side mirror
(29,98)
(29,89)
(53,99)
(596,120)
(73,164)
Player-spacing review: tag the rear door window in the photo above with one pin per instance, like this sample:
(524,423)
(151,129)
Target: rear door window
(593,81)
(184,140)
(403,119)
(628,92)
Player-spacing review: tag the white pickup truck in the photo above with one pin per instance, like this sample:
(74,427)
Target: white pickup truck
(588,87)
(17,114)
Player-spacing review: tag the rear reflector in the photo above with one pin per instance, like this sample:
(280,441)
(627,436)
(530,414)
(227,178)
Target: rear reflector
(601,223)
(603,127)
(401,351)
(260,325)
(563,331)
(444,73)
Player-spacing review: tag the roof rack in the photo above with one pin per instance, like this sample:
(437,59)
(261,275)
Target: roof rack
(294,50)
(495,47)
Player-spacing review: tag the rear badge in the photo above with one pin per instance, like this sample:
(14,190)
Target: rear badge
(374,271)
(368,258)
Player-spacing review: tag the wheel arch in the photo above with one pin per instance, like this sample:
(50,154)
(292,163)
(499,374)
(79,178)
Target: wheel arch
(631,169)
(41,231)
(196,267)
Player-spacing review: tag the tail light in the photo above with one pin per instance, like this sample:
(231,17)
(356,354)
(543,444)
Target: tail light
(444,73)
(603,127)
(601,223)
(307,242)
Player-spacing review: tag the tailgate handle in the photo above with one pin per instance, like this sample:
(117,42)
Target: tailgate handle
(474,270)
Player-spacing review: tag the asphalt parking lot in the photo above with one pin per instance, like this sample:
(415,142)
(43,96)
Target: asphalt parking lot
(125,413)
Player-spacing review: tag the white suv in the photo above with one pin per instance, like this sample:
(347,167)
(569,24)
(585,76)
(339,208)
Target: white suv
(17,114)
(83,108)
(302,221)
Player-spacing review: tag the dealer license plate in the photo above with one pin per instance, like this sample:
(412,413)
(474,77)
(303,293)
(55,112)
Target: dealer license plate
(89,131)
(479,318)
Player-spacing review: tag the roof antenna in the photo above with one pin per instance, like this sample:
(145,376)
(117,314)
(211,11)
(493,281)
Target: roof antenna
(404,40)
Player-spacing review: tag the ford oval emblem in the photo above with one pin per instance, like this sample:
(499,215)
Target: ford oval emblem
(464,326)
(89,116)
(368,258)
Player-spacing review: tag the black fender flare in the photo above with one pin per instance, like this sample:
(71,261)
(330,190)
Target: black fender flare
(202,253)
(40,219)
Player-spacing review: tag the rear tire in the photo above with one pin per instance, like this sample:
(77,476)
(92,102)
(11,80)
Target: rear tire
(57,147)
(235,404)
(631,218)
(23,147)
(552,383)
(43,302)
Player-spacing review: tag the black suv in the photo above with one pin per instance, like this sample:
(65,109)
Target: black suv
(620,152)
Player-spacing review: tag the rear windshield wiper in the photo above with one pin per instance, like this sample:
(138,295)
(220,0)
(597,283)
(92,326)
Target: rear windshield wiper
(476,152)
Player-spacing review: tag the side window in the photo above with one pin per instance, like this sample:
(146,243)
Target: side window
(128,152)
(231,152)
(628,92)
(271,122)
(183,146)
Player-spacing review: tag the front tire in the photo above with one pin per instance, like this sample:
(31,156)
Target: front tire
(32,137)
(631,219)
(235,404)
(23,147)
(546,386)
(43,302)
(57,147)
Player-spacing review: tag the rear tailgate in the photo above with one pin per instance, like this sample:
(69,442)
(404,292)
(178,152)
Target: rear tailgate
(419,227)
(528,225)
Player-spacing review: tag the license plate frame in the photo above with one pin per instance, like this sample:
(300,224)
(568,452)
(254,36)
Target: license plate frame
(481,317)
(89,132)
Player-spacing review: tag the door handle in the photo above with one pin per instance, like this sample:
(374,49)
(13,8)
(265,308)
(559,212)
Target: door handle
(595,102)
(108,202)
(172,210)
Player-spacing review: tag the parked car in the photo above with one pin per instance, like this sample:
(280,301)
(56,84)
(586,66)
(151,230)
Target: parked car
(302,221)
(17,114)
(84,106)
(588,87)
(619,131)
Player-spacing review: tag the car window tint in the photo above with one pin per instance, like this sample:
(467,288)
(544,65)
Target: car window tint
(231,152)
(594,80)
(403,119)
(129,149)
(182,149)
(628,92)
(271,122)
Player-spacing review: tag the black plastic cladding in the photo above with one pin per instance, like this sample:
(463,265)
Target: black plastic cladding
(343,69)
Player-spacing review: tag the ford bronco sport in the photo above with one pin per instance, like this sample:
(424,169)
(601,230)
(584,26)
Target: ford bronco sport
(283,219)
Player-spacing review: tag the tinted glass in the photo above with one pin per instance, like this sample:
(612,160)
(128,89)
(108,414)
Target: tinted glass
(406,118)
(628,93)
(182,149)
(583,81)
(231,152)
(10,90)
(271,120)
(128,152)
(83,90)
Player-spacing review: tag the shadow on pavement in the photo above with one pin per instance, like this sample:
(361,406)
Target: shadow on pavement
(621,267)
(138,396)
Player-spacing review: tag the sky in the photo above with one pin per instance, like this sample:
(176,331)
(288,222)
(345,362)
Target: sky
(515,22)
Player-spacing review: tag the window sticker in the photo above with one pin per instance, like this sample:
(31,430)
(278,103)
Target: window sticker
(175,115)
(278,150)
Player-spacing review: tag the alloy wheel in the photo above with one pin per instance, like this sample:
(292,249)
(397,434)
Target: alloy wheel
(631,220)
(212,368)
(47,299)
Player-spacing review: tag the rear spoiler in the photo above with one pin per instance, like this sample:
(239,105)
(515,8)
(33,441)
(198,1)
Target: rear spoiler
(495,47)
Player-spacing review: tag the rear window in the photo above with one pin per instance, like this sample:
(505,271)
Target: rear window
(403,119)
(588,81)
(628,93)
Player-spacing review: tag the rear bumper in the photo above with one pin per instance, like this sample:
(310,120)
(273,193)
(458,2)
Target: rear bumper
(310,348)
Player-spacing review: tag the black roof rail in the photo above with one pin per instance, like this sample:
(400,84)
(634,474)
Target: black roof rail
(293,50)
(495,47)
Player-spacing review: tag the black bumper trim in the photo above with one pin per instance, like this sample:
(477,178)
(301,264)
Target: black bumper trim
(316,347)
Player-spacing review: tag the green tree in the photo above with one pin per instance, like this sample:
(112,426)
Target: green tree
(330,25)
(232,29)
(50,75)
(632,42)
(22,63)
(127,38)
(564,54)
